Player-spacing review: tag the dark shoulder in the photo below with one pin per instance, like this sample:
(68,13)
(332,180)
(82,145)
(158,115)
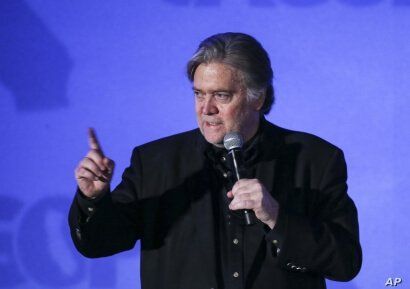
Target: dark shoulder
(183,141)
(308,139)
(305,143)
(167,162)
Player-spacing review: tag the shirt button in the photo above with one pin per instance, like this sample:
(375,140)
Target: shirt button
(235,241)
(90,209)
(225,175)
(275,242)
(223,159)
(236,274)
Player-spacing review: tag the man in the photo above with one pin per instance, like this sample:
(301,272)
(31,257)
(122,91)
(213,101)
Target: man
(180,198)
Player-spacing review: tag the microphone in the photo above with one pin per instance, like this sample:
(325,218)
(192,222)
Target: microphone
(233,142)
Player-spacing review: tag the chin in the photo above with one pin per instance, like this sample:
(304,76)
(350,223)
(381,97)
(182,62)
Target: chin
(214,136)
(215,139)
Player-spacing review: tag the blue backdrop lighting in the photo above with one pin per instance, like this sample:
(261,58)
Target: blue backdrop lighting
(341,72)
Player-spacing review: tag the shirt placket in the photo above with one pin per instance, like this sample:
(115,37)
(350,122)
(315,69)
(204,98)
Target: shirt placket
(235,236)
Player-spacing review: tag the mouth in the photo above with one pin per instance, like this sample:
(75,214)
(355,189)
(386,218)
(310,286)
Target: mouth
(212,123)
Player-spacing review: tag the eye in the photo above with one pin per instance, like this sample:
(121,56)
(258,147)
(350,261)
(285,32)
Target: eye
(198,95)
(222,96)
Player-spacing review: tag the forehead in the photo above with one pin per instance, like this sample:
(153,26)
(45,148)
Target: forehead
(216,75)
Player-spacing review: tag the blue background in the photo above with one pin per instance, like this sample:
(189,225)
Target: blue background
(341,72)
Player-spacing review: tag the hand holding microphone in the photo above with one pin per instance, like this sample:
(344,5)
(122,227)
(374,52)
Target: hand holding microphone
(248,194)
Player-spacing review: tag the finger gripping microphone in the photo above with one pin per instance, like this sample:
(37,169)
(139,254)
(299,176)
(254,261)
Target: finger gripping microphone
(233,142)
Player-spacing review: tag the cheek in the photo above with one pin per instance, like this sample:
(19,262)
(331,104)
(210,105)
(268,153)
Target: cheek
(198,108)
(235,118)
(232,114)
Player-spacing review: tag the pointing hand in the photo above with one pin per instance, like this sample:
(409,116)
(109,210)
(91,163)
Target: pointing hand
(94,172)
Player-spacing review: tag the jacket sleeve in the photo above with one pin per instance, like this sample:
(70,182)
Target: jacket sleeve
(327,242)
(111,223)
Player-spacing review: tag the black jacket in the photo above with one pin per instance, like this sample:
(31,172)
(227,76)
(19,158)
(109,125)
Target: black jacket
(164,200)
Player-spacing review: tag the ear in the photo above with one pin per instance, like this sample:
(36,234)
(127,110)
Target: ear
(258,103)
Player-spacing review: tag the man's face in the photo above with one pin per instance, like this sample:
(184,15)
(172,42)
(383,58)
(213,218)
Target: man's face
(221,105)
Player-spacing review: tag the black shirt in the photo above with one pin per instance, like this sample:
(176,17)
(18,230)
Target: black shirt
(233,235)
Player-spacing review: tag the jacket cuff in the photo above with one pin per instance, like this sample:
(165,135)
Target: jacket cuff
(88,206)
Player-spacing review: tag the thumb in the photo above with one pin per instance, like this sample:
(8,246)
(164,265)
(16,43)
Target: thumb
(109,164)
(230,194)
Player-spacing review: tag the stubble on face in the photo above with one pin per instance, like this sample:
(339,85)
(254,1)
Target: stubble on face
(217,115)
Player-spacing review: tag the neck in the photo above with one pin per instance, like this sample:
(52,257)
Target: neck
(251,130)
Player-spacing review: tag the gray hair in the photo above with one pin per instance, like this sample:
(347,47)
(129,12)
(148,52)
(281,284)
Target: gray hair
(243,52)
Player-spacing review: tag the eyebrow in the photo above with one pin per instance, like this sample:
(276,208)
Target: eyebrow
(215,90)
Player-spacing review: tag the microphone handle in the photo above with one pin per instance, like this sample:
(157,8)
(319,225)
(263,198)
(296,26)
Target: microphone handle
(248,219)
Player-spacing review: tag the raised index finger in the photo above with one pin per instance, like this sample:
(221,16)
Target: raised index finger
(93,140)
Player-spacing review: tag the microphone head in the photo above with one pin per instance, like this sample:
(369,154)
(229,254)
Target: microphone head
(233,140)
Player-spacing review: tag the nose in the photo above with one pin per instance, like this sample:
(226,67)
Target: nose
(209,106)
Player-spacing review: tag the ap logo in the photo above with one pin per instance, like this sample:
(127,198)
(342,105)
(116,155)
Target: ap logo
(393,281)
